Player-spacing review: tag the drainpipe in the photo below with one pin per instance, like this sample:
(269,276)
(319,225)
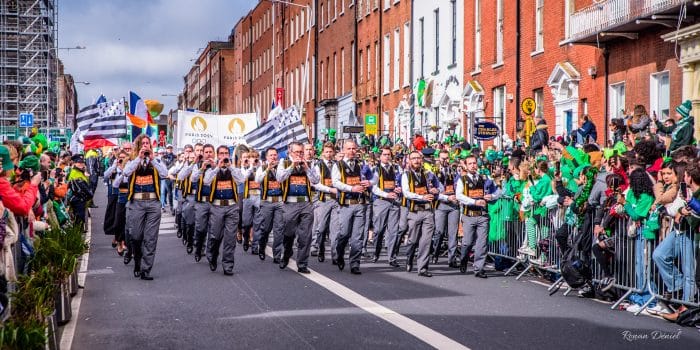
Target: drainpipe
(316,98)
(517,70)
(606,59)
(380,92)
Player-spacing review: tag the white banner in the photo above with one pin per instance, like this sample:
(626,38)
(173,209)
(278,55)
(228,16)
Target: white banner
(229,129)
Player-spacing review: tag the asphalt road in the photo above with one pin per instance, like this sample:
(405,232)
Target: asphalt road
(263,307)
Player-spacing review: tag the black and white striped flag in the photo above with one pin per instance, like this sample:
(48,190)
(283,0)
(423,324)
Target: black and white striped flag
(278,132)
(110,123)
(86,116)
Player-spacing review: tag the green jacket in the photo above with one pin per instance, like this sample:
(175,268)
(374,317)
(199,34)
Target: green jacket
(542,188)
(638,208)
(681,132)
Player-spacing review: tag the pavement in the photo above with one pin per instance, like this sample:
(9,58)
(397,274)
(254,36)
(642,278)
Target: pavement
(262,307)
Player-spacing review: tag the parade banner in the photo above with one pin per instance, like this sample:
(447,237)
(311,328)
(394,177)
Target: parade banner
(229,129)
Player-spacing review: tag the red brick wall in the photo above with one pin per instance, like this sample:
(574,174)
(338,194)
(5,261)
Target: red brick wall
(633,61)
(292,55)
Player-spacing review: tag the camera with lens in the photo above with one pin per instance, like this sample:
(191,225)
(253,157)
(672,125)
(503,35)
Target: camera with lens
(26,173)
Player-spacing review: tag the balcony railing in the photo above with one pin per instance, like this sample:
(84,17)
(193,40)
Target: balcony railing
(609,14)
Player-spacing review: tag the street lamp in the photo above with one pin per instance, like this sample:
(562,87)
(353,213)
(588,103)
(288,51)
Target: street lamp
(78,47)
(171,95)
(308,45)
(82,82)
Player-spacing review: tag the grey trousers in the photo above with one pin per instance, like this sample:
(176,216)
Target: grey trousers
(143,219)
(201,221)
(250,208)
(421,226)
(223,225)
(298,222)
(352,222)
(386,221)
(314,228)
(476,230)
(188,210)
(326,221)
(446,222)
(269,218)
(403,223)
(368,223)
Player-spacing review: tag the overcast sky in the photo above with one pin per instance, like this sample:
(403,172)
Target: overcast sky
(140,45)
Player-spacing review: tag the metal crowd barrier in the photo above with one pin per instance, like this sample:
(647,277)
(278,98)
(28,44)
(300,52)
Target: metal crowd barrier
(533,245)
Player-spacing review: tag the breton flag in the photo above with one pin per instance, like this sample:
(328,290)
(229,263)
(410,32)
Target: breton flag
(85,117)
(278,131)
(108,127)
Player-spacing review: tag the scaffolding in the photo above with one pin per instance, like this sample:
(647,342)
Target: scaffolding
(28,62)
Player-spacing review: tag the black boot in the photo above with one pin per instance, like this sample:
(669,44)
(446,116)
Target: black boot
(214,254)
(178,223)
(136,245)
(190,238)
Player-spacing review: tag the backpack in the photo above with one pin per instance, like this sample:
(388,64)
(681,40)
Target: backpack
(689,317)
(574,271)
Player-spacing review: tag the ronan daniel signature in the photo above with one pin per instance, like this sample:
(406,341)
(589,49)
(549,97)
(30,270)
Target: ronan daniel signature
(631,336)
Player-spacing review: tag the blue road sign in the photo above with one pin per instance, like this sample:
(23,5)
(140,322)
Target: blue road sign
(26,120)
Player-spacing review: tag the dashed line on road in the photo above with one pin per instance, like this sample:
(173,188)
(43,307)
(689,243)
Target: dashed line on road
(69,329)
(418,330)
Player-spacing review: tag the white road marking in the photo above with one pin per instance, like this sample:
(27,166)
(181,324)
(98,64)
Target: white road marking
(424,333)
(69,328)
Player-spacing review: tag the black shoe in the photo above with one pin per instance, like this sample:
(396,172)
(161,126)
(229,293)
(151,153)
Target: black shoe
(179,233)
(425,273)
(255,251)
(284,263)
(321,257)
(355,271)
(394,264)
(127,257)
(137,272)
(435,259)
(197,257)
(114,244)
(246,245)
(184,240)
(276,261)
(303,269)
(454,265)
(341,263)
(409,266)
(481,274)
(375,259)
(334,262)
(261,255)
(463,268)
(313,252)
(212,265)
(146,276)
(189,249)
(228,273)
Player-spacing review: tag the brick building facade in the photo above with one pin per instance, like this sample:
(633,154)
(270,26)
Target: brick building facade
(439,66)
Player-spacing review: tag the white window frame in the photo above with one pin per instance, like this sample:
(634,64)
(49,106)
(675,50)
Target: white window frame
(539,27)
(386,76)
(477,36)
(538,96)
(407,54)
(335,74)
(655,94)
(397,59)
(342,70)
(499,104)
(499,33)
(361,74)
(617,100)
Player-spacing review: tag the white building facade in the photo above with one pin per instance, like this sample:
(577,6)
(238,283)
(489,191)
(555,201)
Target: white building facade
(438,67)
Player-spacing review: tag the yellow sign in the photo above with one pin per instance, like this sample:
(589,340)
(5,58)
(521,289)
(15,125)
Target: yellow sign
(528,106)
(371,124)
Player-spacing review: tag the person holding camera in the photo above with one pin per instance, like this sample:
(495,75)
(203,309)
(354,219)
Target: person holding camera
(120,185)
(19,203)
(80,190)
(297,175)
(143,208)
(251,199)
(223,216)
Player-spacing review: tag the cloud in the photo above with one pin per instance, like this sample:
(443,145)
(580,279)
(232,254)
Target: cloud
(144,46)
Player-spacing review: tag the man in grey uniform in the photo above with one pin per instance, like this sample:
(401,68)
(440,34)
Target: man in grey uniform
(143,206)
(223,215)
(474,191)
(420,187)
(386,207)
(347,177)
(270,217)
(326,209)
(447,212)
(201,204)
(297,176)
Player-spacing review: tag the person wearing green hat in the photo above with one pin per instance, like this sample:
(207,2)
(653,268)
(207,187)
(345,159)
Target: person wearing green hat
(682,131)
(18,203)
